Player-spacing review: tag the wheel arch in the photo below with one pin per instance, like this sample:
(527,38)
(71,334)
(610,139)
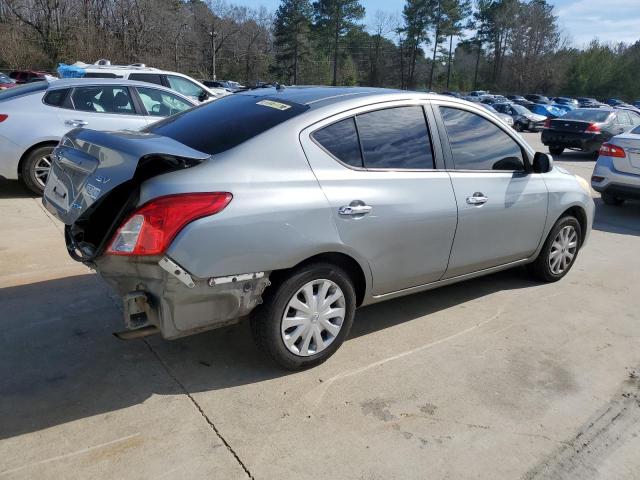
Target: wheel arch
(29,150)
(579,213)
(349,264)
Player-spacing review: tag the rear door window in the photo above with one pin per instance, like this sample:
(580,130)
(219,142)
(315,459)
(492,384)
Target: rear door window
(103,99)
(56,98)
(478,144)
(395,138)
(341,140)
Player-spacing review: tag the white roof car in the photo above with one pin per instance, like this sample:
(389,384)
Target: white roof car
(35,116)
(179,82)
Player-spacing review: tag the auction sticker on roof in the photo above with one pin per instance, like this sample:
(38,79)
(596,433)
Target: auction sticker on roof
(273,104)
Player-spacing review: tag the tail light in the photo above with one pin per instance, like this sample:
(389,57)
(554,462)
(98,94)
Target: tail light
(151,229)
(547,123)
(3,117)
(593,128)
(610,150)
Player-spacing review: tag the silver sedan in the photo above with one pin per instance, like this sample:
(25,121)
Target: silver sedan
(34,117)
(297,205)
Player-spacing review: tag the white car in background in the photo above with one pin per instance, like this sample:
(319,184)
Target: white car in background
(35,116)
(179,82)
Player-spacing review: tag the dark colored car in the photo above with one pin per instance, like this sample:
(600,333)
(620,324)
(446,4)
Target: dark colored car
(537,98)
(565,101)
(27,76)
(613,101)
(6,82)
(586,129)
(636,103)
(523,118)
(588,102)
(452,94)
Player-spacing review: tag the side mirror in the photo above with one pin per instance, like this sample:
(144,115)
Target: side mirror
(203,96)
(542,162)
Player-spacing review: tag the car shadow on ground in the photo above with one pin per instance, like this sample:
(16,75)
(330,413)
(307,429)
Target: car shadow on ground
(13,189)
(575,156)
(60,363)
(622,219)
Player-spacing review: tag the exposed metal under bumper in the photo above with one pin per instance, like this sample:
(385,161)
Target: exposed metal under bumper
(159,293)
(138,333)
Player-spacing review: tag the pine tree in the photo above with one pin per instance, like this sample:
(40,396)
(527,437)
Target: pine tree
(291,36)
(335,18)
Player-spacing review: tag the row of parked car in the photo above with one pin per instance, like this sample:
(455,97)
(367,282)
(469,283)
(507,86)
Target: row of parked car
(609,130)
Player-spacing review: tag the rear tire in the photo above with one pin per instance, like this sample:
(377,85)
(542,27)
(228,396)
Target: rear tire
(35,169)
(309,336)
(556,150)
(559,251)
(610,199)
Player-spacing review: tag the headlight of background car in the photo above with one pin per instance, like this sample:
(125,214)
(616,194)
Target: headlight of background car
(584,184)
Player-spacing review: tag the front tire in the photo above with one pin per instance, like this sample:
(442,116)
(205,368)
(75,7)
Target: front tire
(556,150)
(36,167)
(307,316)
(559,251)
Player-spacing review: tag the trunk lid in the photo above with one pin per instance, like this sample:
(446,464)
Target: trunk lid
(87,165)
(576,126)
(630,142)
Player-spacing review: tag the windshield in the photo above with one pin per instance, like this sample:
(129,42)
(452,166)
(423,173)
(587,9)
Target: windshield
(521,110)
(587,115)
(220,125)
(23,90)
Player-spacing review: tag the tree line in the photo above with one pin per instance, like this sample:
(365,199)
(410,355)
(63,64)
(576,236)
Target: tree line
(499,45)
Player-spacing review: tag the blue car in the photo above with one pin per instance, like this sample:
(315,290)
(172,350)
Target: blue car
(550,111)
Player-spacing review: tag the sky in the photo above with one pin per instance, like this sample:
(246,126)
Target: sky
(580,20)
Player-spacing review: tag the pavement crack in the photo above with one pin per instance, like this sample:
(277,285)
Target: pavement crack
(199,408)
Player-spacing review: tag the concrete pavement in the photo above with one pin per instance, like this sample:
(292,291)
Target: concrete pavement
(499,377)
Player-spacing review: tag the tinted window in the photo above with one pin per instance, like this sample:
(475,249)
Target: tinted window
(161,104)
(184,86)
(341,140)
(623,118)
(22,90)
(587,115)
(104,99)
(478,144)
(55,98)
(218,126)
(101,75)
(146,77)
(395,138)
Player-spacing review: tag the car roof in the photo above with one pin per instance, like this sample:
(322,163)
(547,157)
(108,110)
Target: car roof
(318,96)
(73,82)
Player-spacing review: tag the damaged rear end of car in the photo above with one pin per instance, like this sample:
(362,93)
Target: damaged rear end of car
(94,189)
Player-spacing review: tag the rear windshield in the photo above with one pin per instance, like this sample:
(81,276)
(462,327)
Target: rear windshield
(226,123)
(23,90)
(587,115)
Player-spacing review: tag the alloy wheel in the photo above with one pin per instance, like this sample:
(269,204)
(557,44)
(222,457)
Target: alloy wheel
(563,250)
(313,317)
(41,170)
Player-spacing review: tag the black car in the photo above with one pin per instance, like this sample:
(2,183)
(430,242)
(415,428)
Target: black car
(565,101)
(586,129)
(523,119)
(537,98)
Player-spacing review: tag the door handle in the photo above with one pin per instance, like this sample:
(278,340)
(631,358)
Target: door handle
(76,123)
(477,198)
(356,207)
